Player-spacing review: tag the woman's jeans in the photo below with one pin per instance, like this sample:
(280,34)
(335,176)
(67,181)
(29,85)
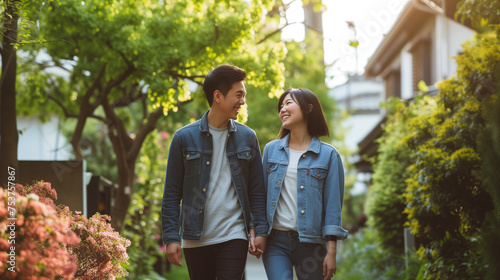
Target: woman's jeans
(284,251)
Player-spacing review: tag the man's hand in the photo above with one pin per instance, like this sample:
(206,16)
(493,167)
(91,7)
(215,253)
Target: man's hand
(174,253)
(260,245)
(330,262)
(257,244)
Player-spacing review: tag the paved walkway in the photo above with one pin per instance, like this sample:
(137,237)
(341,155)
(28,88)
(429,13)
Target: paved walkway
(254,269)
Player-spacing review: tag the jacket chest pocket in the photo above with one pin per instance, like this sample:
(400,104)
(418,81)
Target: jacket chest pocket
(192,162)
(317,177)
(273,178)
(244,158)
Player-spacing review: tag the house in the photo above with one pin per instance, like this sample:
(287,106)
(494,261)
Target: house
(419,47)
(360,97)
(45,155)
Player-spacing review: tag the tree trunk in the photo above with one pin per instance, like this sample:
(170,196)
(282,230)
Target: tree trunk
(8,124)
(123,196)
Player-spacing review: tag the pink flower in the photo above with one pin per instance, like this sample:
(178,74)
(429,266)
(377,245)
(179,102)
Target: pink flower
(164,135)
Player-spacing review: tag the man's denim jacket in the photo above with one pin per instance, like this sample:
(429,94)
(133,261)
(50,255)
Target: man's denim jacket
(320,188)
(188,175)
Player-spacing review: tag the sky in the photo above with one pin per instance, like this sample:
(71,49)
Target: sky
(372,19)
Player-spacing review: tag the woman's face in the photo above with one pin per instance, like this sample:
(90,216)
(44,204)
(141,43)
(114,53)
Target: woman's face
(290,113)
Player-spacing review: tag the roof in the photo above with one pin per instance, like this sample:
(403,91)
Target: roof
(407,24)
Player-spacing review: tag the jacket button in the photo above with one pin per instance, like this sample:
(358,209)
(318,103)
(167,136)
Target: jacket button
(187,156)
(303,156)
(237,187)
(248,154)
(302,212)
(274,204)
(269,169)
(208,134)
(208,162)
(301,187)
(319,175)
(204,190)
(201,212)
(279,182)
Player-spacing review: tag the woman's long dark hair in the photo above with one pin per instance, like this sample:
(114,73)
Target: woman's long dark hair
(315,119)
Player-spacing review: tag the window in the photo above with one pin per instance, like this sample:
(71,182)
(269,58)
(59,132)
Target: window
(421,60)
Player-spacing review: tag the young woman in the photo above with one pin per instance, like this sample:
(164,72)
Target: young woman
(304,178)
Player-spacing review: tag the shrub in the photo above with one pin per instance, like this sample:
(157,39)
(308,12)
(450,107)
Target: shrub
(33,246)
(54,243)
(446,195)
(101,249)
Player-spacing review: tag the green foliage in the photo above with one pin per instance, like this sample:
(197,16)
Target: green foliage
(386,204)
(362,256)
(431,153)
(143,219)
(489,147)
(138,39)
(446,197)
(27,10)
(479,12)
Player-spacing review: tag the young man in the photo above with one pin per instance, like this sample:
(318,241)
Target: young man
(214,195)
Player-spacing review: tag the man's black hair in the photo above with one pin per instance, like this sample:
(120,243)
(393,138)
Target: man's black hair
(222,78)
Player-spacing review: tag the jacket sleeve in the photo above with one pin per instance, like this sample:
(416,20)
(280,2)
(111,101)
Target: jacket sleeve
(172,194)
(256,191)
(333,197)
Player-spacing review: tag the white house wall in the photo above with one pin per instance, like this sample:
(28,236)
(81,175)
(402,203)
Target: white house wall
(458,34)
(41,141)
(406,73)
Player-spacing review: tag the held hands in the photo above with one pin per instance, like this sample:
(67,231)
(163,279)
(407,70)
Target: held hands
(257,244)
(174,253)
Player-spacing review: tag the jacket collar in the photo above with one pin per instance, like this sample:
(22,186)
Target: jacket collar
(204,123)
(314,146)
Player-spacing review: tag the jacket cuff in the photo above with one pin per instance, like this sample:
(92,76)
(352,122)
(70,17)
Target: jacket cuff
(168,239)
(261,230)
(335,231)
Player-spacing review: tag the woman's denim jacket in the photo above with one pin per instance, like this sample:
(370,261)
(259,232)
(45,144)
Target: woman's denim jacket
(188,174)
(320,188)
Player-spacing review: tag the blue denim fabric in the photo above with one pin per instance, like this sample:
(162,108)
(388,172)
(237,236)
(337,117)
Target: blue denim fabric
(320,188)
(188,174)
(284,251)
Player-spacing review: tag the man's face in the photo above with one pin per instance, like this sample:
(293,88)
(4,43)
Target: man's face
(232,102)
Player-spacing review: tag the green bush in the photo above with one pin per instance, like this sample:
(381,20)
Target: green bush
(386,203)
(489,146)
(446,197)
(362,256)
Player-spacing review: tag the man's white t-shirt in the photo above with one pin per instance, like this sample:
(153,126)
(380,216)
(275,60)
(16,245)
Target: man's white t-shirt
(223,214)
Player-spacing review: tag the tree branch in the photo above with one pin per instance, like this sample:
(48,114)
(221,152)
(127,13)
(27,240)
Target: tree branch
(143,132)
(116,124)
(67,114)
(180,76)
(270,34)
(86,109)
(135,94)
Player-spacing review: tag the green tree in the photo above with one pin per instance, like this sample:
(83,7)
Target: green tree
(481,13)
(446,199)
(16,18)
(386,204)
(118,53)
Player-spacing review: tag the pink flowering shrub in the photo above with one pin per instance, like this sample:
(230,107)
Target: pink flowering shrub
(101,249)
(46,194)
(54,243)
(33,239)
